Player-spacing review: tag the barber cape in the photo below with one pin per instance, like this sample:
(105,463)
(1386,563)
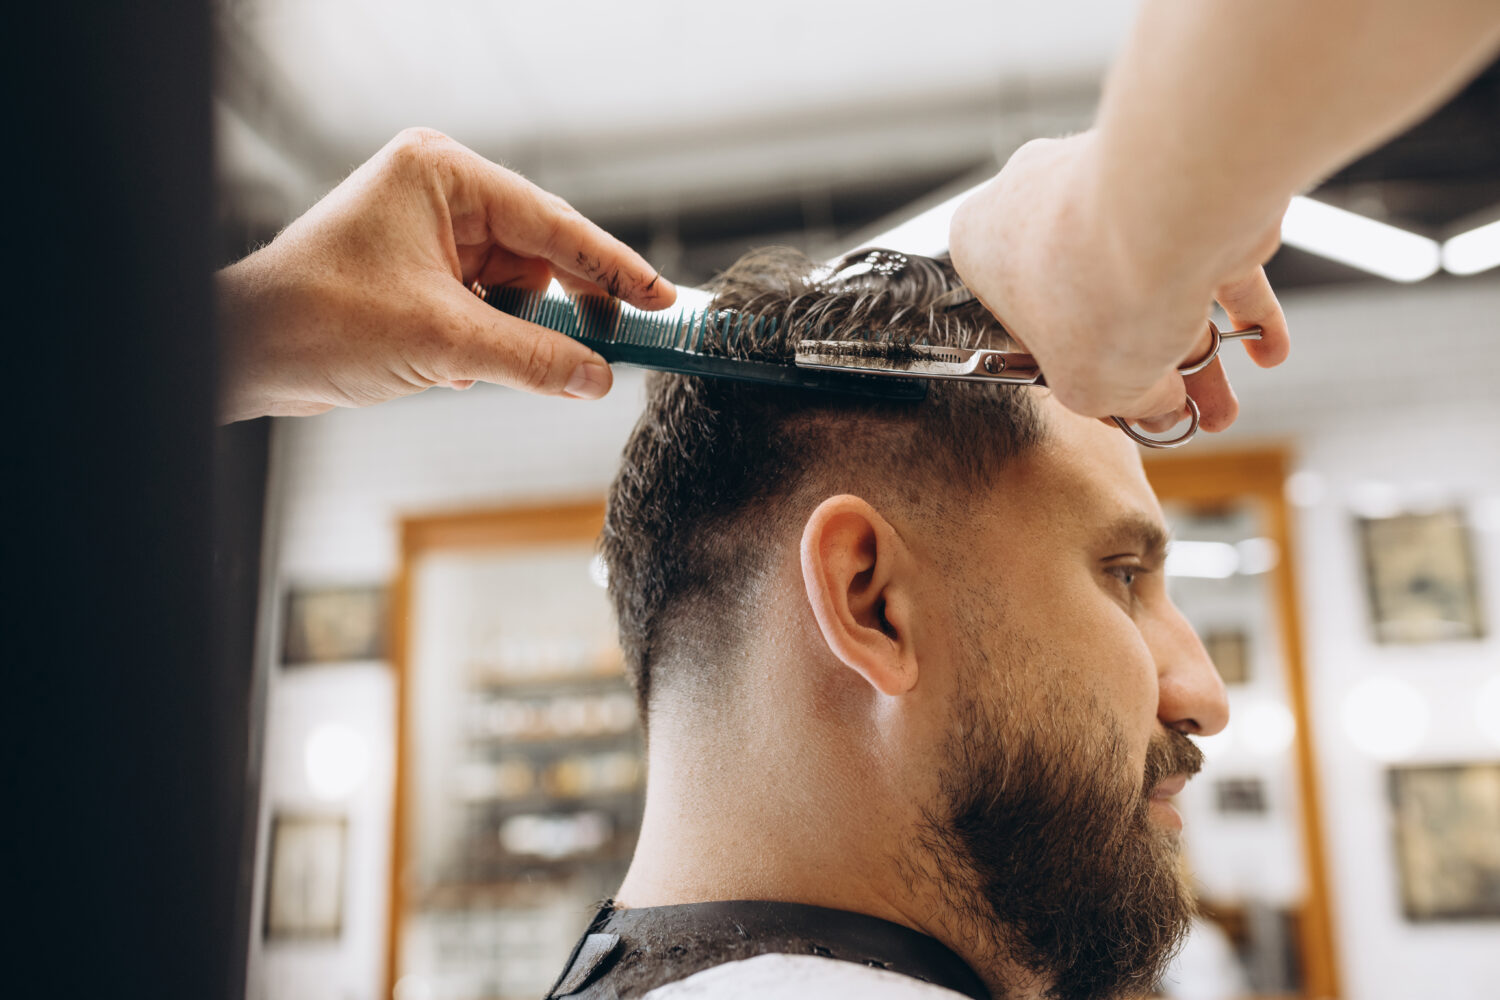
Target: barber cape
(761,949)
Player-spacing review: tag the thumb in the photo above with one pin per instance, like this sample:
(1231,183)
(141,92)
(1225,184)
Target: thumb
(500,348)
(1161,405)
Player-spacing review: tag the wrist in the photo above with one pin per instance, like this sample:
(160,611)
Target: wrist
(1143,236)
(240,301)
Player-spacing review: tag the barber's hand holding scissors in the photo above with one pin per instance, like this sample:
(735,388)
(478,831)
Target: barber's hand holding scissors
(1038,245)
(366,297)
(1103,252)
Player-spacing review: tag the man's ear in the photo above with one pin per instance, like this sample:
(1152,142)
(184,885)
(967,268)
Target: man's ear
(858,575)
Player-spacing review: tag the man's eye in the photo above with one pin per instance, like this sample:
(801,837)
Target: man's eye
(1125,574)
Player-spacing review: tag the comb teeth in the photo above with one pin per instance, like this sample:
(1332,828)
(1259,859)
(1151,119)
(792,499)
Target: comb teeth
(698,342)
(604,321)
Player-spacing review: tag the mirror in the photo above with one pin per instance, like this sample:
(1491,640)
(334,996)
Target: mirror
(520,779)
(1251,827)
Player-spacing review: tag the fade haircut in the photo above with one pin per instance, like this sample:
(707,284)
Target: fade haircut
(718,475)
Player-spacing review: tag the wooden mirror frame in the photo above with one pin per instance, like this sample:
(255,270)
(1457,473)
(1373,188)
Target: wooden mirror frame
(466,531)
(1259,476)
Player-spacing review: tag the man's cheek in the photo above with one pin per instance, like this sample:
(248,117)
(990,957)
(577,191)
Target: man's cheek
(1132,689)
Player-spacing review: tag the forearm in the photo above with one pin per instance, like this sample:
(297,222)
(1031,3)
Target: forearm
(1217,111)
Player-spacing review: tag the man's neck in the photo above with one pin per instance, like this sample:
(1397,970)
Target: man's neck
(704,838)
(796,837)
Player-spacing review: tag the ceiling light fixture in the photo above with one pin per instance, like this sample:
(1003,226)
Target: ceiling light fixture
(1358,241)
(1474,251)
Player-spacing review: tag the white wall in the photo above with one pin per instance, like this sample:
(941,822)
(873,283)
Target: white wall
(1390,394)
(1383,956)
(361,697)
(342,482)
(1388,384)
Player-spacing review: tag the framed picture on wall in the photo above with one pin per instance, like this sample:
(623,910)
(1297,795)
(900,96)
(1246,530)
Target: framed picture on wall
(1421,577)
(1447,821)
(334,625)
(305,877)
(1240,796)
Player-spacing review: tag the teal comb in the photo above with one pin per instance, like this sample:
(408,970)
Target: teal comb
(677,340)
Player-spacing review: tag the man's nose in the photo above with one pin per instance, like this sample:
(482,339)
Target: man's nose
(1191,696)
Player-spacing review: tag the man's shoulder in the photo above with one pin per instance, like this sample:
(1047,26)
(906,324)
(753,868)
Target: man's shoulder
(795,977)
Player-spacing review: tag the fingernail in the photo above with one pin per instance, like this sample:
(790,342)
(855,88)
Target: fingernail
(590,380)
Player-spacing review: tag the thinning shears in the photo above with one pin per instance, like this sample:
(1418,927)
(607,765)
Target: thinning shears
(1007,367)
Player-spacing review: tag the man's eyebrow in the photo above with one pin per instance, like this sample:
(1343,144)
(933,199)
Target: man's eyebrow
(1138,532)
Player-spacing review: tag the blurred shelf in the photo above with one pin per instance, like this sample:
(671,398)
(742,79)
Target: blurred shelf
(543,802)
(488,683)
(527,882)
(622,736)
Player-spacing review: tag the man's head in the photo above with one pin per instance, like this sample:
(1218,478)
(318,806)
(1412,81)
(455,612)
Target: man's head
(932,636)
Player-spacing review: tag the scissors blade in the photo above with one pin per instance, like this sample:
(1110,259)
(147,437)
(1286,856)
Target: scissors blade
(920,361)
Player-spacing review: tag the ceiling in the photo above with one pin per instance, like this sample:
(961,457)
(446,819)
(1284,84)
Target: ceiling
(695,131)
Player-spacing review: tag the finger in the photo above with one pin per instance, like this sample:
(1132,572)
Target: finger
(1250,301)
(491,346)
(1162,406)
(602,264)
(1217,404)
(574,285)
(531,222)
(1200,350)
(501,267)
(1164,422)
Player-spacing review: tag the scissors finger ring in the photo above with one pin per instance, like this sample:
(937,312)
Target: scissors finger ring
(1176,442)
(1216,340)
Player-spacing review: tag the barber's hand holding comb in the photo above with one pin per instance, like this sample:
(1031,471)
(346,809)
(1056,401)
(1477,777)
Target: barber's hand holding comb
(366,297)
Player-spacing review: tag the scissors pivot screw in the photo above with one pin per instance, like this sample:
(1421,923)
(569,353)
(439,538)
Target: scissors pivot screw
(994,364)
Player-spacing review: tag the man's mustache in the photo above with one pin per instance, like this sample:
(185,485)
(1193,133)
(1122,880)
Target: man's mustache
(1170,753)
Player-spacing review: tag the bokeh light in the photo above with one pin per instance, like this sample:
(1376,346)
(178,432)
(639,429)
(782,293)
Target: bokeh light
(336,758)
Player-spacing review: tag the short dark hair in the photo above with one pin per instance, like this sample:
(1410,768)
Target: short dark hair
(714,468)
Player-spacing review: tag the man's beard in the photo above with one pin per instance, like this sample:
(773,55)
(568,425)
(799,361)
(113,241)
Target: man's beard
(1047,848)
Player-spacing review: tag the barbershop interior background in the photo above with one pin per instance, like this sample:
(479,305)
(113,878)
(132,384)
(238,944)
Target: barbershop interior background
(441,769)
